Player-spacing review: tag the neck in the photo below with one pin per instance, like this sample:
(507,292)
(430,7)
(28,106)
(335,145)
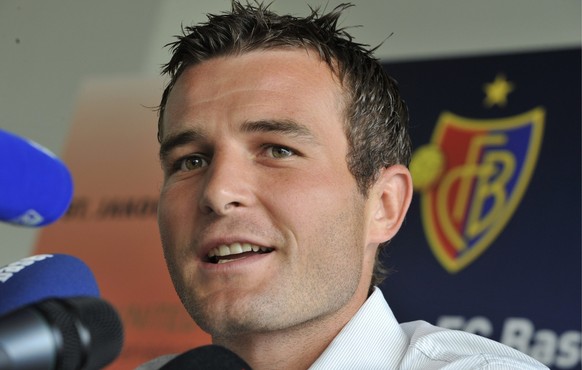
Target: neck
(294,348)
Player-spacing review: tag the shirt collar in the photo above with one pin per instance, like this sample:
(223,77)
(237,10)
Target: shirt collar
(371,339)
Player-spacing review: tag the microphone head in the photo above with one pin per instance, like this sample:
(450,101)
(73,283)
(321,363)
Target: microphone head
(36,188)
(90,331)
(39,277)
(211,357)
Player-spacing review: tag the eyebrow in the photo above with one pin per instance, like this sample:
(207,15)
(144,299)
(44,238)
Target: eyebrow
(285,127)
(179,139)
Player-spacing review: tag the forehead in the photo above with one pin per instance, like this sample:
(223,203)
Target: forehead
(276,81)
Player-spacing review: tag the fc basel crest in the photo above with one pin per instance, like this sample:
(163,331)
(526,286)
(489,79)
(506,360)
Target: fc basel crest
(472,176)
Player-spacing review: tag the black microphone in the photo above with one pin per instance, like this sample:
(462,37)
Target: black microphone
(60,334)
(209,357)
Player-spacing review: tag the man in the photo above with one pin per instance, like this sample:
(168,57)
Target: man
(284,149)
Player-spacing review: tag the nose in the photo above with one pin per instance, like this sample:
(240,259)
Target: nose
(227,186)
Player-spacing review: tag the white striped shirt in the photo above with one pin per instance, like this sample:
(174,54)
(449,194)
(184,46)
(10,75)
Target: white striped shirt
(374,340)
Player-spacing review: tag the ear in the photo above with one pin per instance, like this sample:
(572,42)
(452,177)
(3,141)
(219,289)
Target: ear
(390,196)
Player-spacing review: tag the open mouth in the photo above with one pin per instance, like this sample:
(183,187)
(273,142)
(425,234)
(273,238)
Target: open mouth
(235,251)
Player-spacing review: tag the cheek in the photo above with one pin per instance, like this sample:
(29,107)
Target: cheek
(165,215)
(306,200)
(177,200)
(172,224)
(174,213)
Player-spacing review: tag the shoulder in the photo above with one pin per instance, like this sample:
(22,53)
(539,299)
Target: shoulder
(156,363)
(453,349)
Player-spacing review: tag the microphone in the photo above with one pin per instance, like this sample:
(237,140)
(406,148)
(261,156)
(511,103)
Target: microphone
(36,187)
(209,357)
(39,277)
(61,334)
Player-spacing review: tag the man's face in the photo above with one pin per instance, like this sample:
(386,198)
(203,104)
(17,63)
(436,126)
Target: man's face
(254,158)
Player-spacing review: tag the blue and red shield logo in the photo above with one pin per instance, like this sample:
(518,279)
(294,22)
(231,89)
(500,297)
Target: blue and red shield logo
(472,176)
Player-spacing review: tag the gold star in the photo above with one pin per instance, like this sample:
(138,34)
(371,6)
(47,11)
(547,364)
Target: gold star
(496,92)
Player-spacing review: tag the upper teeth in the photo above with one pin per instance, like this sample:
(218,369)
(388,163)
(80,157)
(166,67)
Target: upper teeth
(235,248)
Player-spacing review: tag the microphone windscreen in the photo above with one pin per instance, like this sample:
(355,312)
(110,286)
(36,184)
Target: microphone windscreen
(36,188)
(61,334)
(209,357)
(44,276)
(92,331)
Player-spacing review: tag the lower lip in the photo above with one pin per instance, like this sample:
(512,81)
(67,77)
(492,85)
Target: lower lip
(237,264)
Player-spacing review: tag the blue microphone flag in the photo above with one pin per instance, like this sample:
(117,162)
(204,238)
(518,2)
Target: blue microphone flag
(44,276)
(36,188)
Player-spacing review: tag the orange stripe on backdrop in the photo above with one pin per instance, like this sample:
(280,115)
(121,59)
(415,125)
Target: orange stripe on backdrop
(111,224)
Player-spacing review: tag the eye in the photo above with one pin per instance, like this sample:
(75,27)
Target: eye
(277,151)
(191,163)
